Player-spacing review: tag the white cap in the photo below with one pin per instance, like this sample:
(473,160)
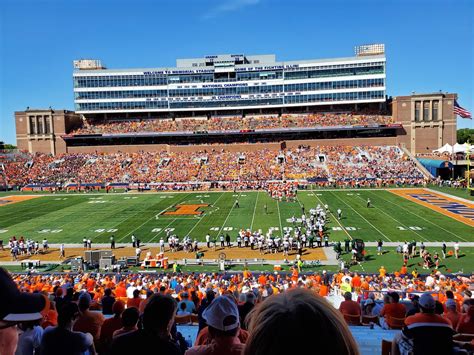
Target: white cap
(219,309)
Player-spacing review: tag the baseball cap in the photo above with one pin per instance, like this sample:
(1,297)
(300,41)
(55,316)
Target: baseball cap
(18,306)
(222,314)
(427,301)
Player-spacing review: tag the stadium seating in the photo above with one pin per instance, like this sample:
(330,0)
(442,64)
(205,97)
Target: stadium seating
(234,123)
(325,165)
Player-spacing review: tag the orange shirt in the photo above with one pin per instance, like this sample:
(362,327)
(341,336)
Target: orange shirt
(396,310)
(356,282)
(134,302)
(350,307)
(323,290)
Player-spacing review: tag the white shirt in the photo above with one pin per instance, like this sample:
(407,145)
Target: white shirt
(29,340)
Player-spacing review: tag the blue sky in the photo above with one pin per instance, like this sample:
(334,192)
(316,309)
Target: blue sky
(429,44)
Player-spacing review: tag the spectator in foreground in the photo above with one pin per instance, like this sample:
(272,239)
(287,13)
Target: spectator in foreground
(135,301)
(349,307)
(283,324)
(62,340)
(392,310)
(88,321)
(452,313)
(425,332)
(16,306)
(466,321)
(245,308)
(29,338)
(129,321)
(111,325)
(107,302)
(158,319)
(222,317)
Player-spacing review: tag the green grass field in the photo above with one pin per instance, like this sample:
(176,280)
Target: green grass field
(69,218)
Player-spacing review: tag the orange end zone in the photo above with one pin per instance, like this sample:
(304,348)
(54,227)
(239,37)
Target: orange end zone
(8,200)
(459,210)
(186,210)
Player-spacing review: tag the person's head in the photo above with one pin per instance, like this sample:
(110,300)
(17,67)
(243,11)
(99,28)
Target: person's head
(450,295)
(283,323)
(158,316)
(130,317)
(348,296)
(394,297)
(182,306)
(415,300)
(162,289)
(68,314)
(136,293)
(250,297)
(427,303)
(118,307)
(84,301)
(222,317)
(108,292)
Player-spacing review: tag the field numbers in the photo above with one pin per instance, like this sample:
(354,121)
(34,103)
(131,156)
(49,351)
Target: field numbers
(156,230)
(60,199)
(130,198)
(342,228)
(102,230)
(202,196)
(50,231)
(216,229)
(166,196)
(413,228)
(169,229)
(97,201)
(3,231)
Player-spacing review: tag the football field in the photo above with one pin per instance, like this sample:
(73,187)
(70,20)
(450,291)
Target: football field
(68,218)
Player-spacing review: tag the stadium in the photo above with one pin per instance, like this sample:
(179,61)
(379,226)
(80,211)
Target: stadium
(242,175)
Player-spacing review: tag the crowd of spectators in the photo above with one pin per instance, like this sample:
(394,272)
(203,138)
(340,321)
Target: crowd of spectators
(122,313)
(236,123)
(342,165)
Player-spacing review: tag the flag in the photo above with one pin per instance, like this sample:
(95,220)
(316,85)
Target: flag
(458,110)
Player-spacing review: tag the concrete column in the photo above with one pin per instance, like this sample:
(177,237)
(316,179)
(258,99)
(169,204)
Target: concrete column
(43,122)
(431,111)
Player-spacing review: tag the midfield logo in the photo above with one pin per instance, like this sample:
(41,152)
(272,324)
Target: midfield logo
(186,210)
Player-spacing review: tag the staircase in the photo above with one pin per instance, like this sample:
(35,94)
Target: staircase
(420,166)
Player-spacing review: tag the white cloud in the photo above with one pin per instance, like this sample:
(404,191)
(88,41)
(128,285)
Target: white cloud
(228,6)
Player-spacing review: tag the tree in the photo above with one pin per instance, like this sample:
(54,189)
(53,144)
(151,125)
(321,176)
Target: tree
(6,146)
(465,134)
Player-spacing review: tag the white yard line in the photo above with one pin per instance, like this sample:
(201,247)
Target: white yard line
(154,216)
(223,225)
(427,220)
(279,217)
(254,209)
(396,220)
(199,221)
(365,219)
